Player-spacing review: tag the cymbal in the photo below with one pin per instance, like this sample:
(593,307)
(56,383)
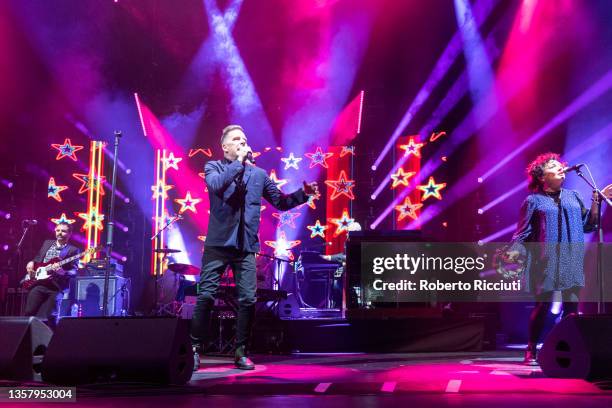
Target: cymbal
(166,251)
(185,269)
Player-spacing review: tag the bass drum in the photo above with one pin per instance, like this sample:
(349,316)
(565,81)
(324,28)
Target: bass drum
(168,287)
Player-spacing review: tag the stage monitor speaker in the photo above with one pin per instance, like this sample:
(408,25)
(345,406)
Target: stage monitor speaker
(579,347)
(23,342)
(119,349)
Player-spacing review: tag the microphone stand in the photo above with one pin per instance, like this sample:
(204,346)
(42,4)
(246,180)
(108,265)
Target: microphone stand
(601,306)
(168,224)
(19,251)
(279,261)
(111,225)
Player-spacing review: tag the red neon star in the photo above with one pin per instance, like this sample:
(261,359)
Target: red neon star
(282,247)
(407,209)
(311,201)
(92,219)
(63,219)
(161,189)
(188,203)
(171,161)
(286,218)
(401,177)
(431,189)
(342,186)
(318,157)
(317,229)
(66,150)
(412,148)
(87,182)
(53,190)
(342,223)
(279,182)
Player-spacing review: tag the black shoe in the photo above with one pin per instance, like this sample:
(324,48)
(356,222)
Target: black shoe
(196,358)
(241,361)
(530,356)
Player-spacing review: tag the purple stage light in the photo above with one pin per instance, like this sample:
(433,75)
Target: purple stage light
(5,247)
(123,227)
(7,183)
(600,87)
(508,230)
(446,60)
(503,197)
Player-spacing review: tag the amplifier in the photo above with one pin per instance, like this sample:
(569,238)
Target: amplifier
(97,267)
(90,295)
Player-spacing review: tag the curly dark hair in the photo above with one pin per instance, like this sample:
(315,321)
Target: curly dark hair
(535,169)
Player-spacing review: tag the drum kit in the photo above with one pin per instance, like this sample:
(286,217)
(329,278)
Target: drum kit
(171,285)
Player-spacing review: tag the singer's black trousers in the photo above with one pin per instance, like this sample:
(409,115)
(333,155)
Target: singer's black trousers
(214,263)
(540,312)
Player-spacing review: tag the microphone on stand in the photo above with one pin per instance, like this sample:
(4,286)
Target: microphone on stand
(575,167)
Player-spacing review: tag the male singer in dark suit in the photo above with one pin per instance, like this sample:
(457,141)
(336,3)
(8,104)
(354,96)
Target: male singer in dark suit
(235,188)
(44,299)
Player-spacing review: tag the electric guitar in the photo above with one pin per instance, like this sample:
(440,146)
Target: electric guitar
(44,271)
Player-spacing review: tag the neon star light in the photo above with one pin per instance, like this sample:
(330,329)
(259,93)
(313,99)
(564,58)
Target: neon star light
(188,203)
(291,161)
(282,247)
(92,219)
(161,190)
(342,186)
(412,148)
(286,218)
(311,201)
(171,162)
(318,158)
(342,223)
(401,177)
(347,150)
(279,182)
(87,183)
(53,190)
(431,189)
(63,219)
(407,209)
(66,150)
(317,229)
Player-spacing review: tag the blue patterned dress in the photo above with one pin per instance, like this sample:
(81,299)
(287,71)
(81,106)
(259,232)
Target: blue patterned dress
(555,227)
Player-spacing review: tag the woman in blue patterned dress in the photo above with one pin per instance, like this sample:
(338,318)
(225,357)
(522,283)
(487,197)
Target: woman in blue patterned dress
(553,222)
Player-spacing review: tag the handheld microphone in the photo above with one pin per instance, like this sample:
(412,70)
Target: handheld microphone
(575,167)
(250,157)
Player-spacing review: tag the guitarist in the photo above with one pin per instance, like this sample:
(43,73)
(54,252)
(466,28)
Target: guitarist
(44,298)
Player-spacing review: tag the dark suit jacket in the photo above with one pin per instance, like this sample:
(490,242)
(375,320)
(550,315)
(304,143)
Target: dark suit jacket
(71,267)
(235,193)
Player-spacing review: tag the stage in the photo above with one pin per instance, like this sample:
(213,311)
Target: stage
(379,202)
(450,379)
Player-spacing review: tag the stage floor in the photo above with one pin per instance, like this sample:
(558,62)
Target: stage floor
(454,379)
